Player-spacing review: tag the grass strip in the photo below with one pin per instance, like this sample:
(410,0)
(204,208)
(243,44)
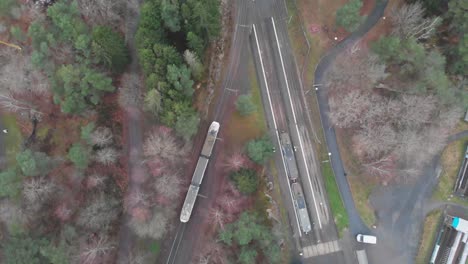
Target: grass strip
(336,203)
(429,234)
(12,139)
(451,160)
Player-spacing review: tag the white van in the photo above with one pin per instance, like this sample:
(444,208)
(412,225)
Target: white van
(366,239)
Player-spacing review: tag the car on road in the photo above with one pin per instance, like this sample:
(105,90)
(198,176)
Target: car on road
(368,239)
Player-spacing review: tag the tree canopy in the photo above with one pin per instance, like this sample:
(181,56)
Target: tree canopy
(348,15)
(260,150)
(250,234)
(244,105)
(76,87)
(10,183)
(79,155)
(246,180)
(109,49)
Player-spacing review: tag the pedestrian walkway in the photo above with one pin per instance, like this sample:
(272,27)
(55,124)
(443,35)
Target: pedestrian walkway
(321,249)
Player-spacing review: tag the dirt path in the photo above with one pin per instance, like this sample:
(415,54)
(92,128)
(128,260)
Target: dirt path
(133,130)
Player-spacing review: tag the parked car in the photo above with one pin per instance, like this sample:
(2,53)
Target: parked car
(368,239)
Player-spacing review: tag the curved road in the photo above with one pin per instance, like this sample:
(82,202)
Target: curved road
(356,225)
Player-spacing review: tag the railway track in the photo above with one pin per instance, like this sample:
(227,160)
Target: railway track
(175,245)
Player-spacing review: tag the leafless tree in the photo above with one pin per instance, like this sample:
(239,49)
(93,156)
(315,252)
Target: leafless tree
(97,249)
(360,69)
(101,136)
(409,21)
(108,12)
(168,185)
(347,110)
(448,118)
(95,180)
(99,213)
(155,227)
(235,161)
(416,110)
(217,217)
(383,167)
(18,76)
(107,156)
(37,190)
(164,145)
(11,213)
(136,197)
(377,140)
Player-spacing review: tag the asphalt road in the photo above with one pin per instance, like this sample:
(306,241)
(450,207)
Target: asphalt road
(356,225)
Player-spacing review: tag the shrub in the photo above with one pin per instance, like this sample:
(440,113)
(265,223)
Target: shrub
(246,180)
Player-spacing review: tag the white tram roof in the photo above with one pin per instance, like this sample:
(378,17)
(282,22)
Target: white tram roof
(188,203)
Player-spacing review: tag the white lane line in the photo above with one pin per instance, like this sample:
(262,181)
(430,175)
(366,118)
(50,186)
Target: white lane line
(274,123)
(295,123)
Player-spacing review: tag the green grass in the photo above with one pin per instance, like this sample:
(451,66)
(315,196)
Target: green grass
(429,234)
(336,203)
(451,160)
(12,139)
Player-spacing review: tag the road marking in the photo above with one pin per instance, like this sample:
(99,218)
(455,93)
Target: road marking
(274,123)
(295,123)
(321,249)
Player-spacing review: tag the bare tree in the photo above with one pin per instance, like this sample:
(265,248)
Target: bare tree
(107,156)
(217,217)
(347,110)
(355,69)
(37,190)
(101,136)
(376,140)
(18,76)
(155,227)
(99,213)
(97,249)
(448,118)
(95,180)
(168,185)
(109,12)
(383,167)
(416,110)
(136,197)
(12,214)
(164,145)
(409,21)
(235,161)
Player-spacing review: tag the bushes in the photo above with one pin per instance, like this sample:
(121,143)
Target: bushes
(251,235)
(260,150)
(348,15)
(76,87)
(79,155)
(244,105)
(246,180)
